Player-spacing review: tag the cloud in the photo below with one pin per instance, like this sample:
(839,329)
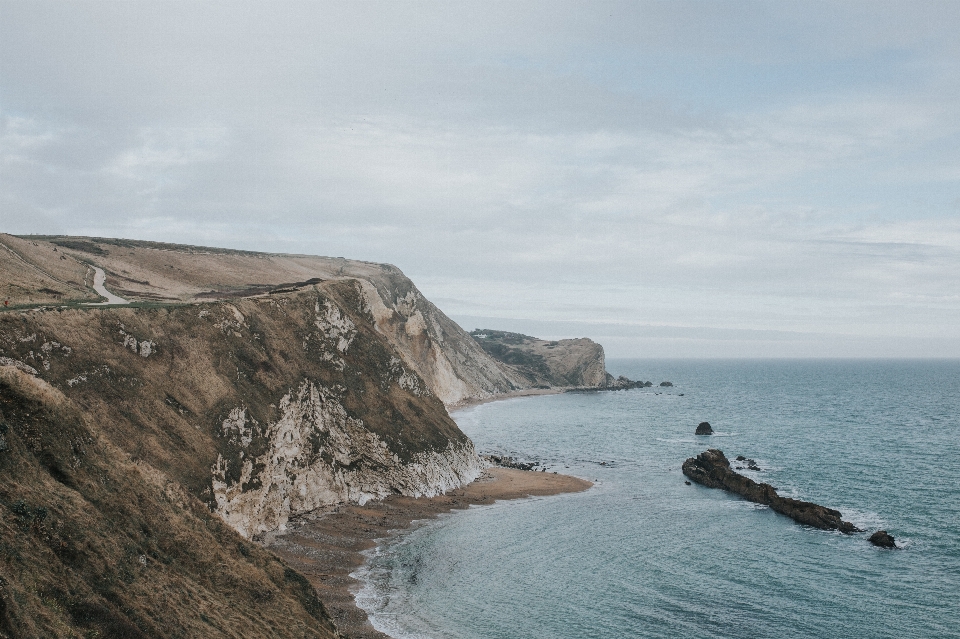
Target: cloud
(782,168)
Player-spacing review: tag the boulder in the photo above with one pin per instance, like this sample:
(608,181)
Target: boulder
(883,539)
(666,383)
(704,429)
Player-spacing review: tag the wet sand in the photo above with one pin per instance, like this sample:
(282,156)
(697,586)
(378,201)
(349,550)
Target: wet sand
(326,546)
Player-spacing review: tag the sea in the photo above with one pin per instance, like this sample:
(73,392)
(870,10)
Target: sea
(642,554)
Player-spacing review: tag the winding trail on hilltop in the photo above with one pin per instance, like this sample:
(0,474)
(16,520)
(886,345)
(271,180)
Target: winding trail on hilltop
(99,278)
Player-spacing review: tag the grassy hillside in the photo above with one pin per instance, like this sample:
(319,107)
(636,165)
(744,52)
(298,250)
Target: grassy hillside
(95,542)
(116,420)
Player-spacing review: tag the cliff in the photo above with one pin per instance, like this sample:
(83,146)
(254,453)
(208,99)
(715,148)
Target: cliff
(143,446)
(59,271)
(96,542)
(565,363)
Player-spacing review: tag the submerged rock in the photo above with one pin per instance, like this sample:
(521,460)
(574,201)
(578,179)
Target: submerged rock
(711,469)
(883,539)
(704,429)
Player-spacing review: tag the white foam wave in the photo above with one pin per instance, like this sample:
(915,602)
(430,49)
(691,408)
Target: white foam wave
(863,519)
(374,596)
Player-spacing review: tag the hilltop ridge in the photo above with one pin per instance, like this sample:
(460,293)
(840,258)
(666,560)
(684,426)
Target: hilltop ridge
(58,270)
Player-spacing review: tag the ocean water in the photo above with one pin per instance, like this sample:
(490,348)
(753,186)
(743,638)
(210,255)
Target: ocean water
(644,555)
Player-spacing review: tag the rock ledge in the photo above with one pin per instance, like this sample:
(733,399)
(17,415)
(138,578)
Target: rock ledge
(711,469)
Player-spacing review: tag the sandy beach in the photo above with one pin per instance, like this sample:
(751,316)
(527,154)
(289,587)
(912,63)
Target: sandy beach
(527,392)
(327,546)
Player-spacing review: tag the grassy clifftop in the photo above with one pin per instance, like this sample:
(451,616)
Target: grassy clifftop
(58,271)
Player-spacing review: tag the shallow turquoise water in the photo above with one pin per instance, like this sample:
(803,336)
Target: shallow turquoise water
(643,555)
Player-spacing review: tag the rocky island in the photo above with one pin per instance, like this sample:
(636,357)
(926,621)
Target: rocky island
(883,539)
(712,469)
(156,444)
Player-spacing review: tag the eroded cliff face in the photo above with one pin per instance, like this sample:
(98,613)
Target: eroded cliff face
(262,407)
(316,455)
(97,542)
(443,355)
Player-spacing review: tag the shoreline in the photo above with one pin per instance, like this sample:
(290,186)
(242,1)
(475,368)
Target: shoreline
(327,546)
(527,392)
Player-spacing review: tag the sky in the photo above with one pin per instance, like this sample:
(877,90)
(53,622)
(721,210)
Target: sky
(672,179)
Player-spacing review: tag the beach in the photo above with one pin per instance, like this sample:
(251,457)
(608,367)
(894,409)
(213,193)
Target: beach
(327,546)
(527,392)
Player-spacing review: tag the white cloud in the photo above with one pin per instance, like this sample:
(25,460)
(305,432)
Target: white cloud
(672,164)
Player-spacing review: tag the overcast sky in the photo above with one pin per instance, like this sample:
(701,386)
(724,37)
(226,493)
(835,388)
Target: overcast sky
(692,179)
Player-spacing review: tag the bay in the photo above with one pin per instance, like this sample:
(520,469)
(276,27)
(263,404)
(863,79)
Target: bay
(644,555)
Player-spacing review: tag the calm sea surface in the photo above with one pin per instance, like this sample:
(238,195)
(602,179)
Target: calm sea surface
(643,555)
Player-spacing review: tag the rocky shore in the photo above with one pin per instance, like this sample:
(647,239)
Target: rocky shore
(712,469)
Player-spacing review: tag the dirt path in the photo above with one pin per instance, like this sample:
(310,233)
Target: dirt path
(99,277)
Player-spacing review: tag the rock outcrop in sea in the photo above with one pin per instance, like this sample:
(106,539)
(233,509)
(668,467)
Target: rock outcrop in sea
(883,539)
(703,428)
(712,469)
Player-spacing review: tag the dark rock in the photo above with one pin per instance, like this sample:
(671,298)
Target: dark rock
(704,429)
(741,458)
(687,483)
(505,461)
(883,539)
(666,383)
(711,469)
